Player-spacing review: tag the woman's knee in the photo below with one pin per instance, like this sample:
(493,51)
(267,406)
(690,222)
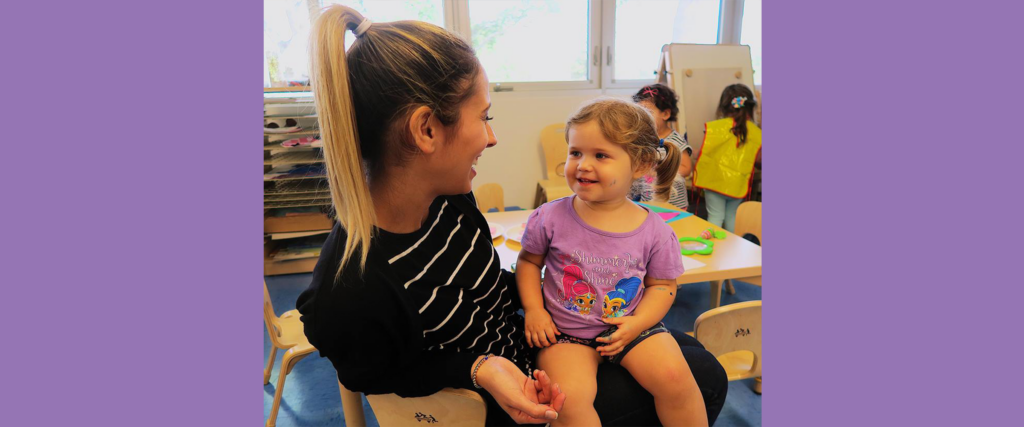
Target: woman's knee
(706,371)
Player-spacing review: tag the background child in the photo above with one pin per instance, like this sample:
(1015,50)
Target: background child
(662,102)
(611,272)
(732,145)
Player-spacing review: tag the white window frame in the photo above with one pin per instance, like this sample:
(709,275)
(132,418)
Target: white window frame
(730,22)
(462,26)
(601,66)
(730,17)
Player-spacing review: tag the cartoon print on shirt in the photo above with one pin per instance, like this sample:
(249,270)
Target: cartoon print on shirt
(577,295)
(616,301)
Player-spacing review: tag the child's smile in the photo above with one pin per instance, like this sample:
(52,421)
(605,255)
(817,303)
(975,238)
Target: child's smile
(597,169)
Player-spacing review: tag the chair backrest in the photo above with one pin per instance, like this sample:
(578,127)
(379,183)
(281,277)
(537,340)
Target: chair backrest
(748,220)
(556,150)
(451,407)
(271,320)
(731,328)
(490,196)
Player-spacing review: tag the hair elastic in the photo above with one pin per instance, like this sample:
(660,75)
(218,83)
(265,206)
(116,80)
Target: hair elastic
(363,26)
(738,102)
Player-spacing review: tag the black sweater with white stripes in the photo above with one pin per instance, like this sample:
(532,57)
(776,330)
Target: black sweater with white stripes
(426,305)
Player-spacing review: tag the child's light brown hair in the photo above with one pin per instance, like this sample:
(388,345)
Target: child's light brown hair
(632,126)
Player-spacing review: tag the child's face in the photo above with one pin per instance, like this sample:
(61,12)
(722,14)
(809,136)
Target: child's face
(660,117)
(597,170)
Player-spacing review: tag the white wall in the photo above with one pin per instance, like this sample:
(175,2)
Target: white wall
(517,162)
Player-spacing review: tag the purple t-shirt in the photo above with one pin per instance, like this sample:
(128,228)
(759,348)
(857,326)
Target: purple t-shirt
(593,273)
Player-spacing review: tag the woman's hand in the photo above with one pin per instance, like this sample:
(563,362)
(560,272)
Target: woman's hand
(526,401)
(628,329)
(540,330)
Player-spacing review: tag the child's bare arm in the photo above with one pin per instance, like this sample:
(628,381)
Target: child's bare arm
(685,164)
(658,297)
(540,330)
(528,280)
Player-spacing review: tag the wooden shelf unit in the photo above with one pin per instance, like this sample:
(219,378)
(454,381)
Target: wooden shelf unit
(307,199)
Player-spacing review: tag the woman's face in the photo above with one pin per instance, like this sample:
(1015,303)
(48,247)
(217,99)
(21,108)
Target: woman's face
(466,142)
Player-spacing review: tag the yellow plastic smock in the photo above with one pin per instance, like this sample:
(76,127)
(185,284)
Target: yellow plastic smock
(725,166)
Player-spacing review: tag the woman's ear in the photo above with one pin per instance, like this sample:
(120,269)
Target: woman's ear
(665,114)
(425,129)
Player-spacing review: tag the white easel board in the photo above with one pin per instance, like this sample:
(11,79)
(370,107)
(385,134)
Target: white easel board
(698,73)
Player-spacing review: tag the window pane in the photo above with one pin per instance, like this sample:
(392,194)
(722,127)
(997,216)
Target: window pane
(285,43)
(750,34)
(532,41)
(286,26)
(642,27)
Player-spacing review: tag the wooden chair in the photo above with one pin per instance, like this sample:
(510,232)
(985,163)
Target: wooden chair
(556,150)
(733,334)
(352,407)
(748,221)
(285,334)
(447,408)
(490,196)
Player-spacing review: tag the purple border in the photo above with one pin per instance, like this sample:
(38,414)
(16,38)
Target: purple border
(136,249)
(880,115)
(132,261)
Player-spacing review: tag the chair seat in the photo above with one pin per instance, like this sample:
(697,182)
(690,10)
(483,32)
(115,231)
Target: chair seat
(548,184)
(446,408)
(291,330)
(551,189)
(737,364)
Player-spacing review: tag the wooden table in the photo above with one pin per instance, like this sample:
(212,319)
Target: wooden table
(733,257)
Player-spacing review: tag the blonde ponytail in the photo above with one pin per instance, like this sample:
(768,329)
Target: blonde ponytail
(363,97)
(350,193)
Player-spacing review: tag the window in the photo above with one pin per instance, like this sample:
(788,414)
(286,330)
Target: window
(532,41)
(286,27)
(750,34)
(642,27)
(537,44)
(287,24)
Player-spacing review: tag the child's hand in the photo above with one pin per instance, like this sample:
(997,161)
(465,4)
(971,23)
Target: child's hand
(540,330)
(628,329)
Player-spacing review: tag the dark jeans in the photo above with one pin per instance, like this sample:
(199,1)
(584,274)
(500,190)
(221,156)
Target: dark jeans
(621,401)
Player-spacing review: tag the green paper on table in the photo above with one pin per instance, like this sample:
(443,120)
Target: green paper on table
(695,245)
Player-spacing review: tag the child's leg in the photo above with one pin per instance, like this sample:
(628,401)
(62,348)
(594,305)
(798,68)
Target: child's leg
(574,368)
(658,365)
(716,207)
(731,206)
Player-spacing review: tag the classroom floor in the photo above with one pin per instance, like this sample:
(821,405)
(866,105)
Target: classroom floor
(311,395)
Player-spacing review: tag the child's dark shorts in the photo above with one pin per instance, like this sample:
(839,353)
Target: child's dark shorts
(617,358)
